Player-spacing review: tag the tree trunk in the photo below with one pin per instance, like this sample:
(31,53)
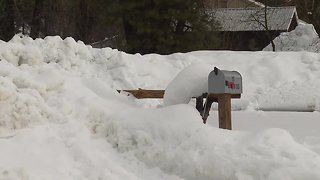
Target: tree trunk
(36,24)
(7,24)
(180,27)
(129,32)
(82,25)
(273,46)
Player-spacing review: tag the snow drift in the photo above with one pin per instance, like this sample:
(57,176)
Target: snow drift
(303,38)
(61,117)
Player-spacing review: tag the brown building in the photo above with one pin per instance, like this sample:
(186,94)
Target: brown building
(245,28)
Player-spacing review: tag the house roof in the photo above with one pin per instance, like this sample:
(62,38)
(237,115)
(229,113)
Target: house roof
(253,19)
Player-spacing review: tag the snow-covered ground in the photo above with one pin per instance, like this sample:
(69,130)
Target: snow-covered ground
(61,117)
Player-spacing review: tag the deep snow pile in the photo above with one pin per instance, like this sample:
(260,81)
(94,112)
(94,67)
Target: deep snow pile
(61,117)
(303,38)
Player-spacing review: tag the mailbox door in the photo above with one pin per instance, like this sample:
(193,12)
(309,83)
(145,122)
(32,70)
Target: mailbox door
(233,82)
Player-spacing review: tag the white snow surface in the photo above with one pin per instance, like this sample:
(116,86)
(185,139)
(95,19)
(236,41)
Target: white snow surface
(187,84)
(303,38)
(61,117)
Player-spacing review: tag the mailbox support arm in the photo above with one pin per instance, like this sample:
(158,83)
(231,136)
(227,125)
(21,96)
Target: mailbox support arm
(207,107)
(199,104)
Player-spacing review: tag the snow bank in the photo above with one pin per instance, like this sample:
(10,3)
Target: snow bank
(272,81)
(175,140)
(23,96)
(61,117)
(303,38)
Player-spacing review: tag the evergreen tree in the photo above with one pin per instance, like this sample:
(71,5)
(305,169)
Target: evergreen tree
(54,17)
(144,26)
(37,24)
(8,19)
(100,20)
(24,13)
(167,26)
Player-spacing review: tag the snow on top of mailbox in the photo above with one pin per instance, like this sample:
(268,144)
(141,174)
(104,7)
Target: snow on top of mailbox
(190,82)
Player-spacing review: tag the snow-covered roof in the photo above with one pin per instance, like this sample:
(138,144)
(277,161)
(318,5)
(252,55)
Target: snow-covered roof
(253,19)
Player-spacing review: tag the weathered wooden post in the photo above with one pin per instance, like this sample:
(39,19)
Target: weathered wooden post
(224,111)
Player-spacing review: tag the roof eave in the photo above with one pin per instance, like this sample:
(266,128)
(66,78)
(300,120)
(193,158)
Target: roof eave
(294,14)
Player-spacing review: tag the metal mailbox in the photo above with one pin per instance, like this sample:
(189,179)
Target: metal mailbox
(221,81)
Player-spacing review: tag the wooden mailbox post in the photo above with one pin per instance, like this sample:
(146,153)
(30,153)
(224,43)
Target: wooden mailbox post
(222,87)
(224,110)
(224,107)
